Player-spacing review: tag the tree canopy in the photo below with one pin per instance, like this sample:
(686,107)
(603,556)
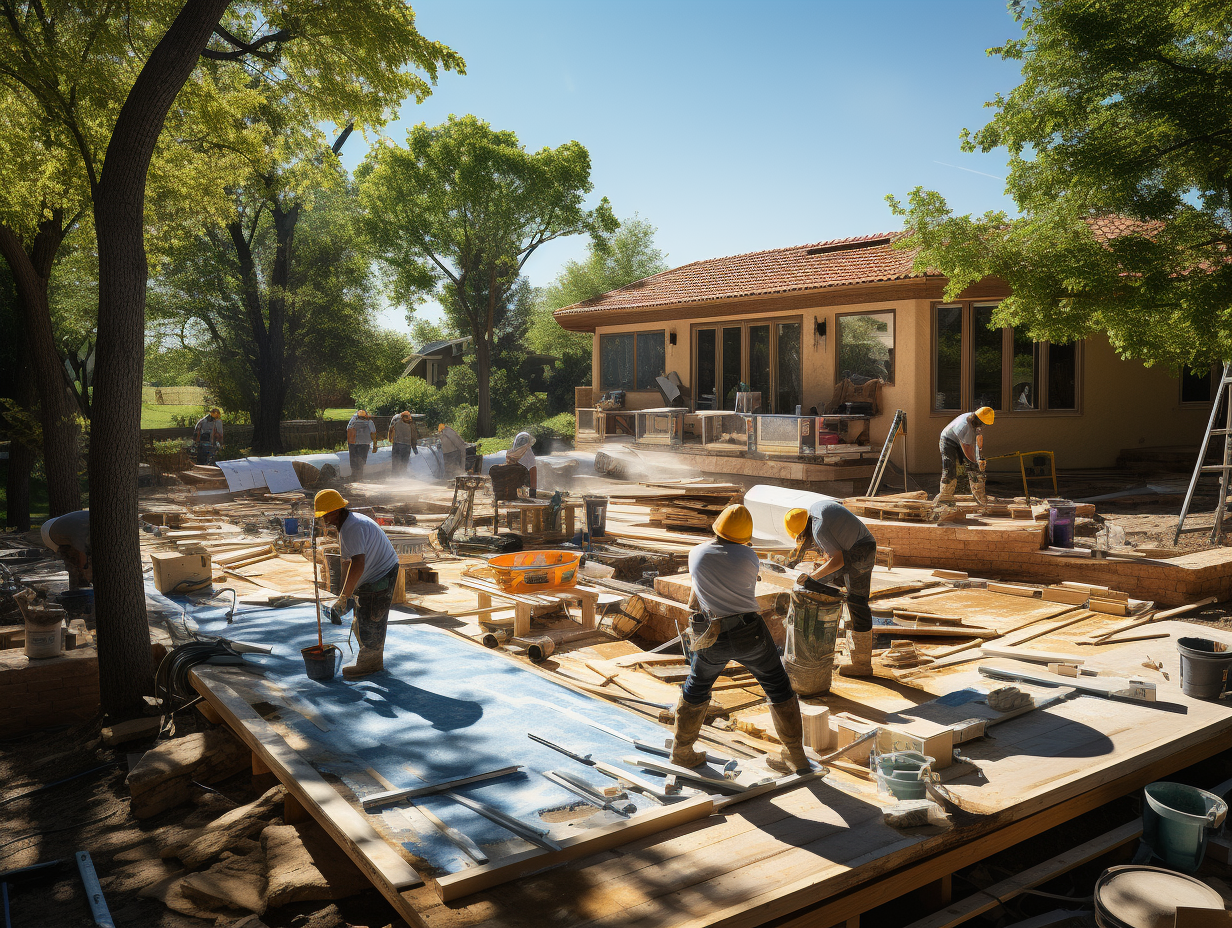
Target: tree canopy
(1120,144)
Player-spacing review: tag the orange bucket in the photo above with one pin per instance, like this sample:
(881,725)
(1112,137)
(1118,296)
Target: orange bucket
(530,571)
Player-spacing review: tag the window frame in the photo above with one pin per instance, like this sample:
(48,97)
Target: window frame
(1216,376)
(634,335)
(967,372)
(838,338)
(718,325)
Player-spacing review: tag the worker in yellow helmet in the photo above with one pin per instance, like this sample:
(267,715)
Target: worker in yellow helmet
(962,441)
(727,626)
(370,579)
(849,554)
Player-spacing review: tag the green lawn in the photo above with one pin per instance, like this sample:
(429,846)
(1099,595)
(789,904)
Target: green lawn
(160,417)
(340,413)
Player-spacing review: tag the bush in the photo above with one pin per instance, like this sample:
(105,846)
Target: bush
(464,420)
(407,393)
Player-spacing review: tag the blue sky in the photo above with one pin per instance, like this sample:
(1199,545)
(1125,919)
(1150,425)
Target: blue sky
(732,127)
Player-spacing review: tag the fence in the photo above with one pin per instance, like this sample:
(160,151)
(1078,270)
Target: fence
(174,396)
(295,433)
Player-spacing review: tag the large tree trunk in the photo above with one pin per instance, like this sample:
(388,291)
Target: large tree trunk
(21,460)
(483,359)
(31,276)
(272,375)
(125,674)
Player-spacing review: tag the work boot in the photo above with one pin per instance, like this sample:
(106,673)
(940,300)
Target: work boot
(948,489)
(861,655)
(369,660)
(689,719)
(978,482)
(790,730)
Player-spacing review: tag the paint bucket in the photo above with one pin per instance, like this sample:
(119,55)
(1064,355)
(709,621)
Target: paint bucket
(540,649)
(321,663)
(290,526)
(1204,667)
(1175,822)
(1061,515)
(43,641)
(596,515)
(1148,897)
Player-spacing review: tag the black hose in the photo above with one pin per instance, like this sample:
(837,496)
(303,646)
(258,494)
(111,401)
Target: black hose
(172,677)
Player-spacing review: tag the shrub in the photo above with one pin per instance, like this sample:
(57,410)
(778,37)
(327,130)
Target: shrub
(464,420)
(406,393)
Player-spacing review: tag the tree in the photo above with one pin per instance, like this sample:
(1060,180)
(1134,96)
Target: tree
(630,254)
(461,209)
(1120,142)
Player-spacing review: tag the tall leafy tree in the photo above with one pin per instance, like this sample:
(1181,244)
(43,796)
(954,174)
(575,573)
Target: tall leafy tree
(461,209)
(1120,143)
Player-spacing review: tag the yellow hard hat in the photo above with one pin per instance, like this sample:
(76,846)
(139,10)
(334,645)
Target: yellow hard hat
(735,524)
(985,414)
(327,501)
(796,521)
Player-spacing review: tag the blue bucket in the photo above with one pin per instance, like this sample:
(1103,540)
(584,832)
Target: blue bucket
(290,526)
(1176,820)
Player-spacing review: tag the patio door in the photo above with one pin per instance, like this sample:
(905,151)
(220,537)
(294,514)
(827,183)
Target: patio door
(765,355)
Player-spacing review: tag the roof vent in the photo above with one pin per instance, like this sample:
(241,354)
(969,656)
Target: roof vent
(848,246)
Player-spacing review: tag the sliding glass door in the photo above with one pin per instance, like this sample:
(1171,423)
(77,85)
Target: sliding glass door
(764,355)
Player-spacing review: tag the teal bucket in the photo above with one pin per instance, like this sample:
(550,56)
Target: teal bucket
(903,774)
(1175,822)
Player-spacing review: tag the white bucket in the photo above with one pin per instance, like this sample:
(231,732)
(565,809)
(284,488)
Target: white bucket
(44,640)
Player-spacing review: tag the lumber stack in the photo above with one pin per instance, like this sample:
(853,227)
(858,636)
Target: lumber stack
(690,507)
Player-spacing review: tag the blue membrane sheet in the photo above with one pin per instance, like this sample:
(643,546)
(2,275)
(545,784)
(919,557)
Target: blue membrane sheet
(445,707)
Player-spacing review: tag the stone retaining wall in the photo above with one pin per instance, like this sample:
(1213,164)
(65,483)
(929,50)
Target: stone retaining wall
(50,691)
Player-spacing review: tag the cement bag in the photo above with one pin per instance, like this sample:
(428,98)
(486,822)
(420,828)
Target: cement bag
(812,628)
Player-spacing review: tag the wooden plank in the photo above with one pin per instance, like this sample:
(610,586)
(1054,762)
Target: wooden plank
(1107,606)
(1034,657)
(359,840)
(1055,594)
(1012,589)
(376,800)
(472,880)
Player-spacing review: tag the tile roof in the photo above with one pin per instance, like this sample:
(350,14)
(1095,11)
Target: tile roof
(835,263)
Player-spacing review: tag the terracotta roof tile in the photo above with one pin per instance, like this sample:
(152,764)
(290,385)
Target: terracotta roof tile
(835,263)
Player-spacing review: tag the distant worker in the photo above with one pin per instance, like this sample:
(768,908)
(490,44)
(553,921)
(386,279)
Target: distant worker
(453,450)
(208,436)
(69,536)
(520,453)
(850,547)
(728,627)
(361,431)
(962,441)
(404,439)
(370,579)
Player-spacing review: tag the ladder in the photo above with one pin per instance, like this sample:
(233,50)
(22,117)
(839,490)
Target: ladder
(898,425)
(1223,398)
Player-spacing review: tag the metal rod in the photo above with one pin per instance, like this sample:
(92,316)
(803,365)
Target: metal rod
(397,795)
(532,833)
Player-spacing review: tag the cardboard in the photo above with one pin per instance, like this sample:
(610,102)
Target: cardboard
(182,571)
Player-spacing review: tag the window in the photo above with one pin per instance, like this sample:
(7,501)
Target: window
(1196,384)
(974,365)
(631,361)
(763,354)
(865,345)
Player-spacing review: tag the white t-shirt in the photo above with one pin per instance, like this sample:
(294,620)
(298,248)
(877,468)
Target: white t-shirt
(960,430)
(360,535)
(724,577)
(364,430)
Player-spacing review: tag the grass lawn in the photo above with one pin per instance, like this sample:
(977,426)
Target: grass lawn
(154,416)
(340,413)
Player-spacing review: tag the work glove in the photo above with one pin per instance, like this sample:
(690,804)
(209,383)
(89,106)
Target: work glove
(805,582)
(339,609)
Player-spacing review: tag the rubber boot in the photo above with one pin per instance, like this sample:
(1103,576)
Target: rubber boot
(861,656)
(790,730)
(978,482)
(948,489)
(371,657)
(689,719)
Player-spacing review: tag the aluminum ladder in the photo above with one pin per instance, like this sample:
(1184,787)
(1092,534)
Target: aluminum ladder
(1222,399)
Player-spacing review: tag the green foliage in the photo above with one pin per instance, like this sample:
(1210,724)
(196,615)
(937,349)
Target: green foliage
(407,393)
(1121,167)
(425,331)
(172,365)
(465,421)
(860,349)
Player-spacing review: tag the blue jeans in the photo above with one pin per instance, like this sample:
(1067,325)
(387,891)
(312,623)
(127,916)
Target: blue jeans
(750,645)
(857,575)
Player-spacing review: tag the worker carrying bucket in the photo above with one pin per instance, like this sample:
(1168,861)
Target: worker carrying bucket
(729,627)
(370,578)
(850,552)
(962,442)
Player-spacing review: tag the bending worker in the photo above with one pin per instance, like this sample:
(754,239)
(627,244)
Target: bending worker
(520,453)
(849,547)
(69,536)
(370,579)
(404,438)
(729,627)
(208,435)
(963,440)
(360,431)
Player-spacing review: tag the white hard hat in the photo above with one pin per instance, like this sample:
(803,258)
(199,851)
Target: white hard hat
(45,531)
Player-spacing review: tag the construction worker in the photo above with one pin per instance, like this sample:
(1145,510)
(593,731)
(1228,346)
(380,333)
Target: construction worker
(453,451)
(848,547)
(69,536)
(404,439)
(520,453)
(370,579)
(728,626)
(962,441)
(361,431)
(208,435)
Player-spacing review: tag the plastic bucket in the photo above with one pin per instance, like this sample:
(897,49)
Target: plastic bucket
(528,571)
(1204,667)
(596,514)
(321,663)
(77,602)
(1061,524)
(1145,897)
(290,526)
(44,641)
(1175,822)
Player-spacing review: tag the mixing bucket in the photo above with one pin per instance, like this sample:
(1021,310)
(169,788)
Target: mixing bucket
(321,663)
(1148,897)
(903,774)
(1204,667)
(1175,821)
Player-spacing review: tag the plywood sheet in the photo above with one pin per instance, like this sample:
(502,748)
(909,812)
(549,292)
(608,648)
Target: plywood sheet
(978,607)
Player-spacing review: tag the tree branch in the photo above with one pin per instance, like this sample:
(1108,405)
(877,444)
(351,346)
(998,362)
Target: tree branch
(240,48)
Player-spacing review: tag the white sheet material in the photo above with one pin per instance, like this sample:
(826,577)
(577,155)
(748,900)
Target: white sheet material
(768,505)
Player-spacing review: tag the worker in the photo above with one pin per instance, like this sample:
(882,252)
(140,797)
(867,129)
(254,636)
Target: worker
(404,439)
(520,453)
(208,436)
(727,626)
(370,579)
(453,451)
(360,431)
(962,441)
(69,536)
(850,548)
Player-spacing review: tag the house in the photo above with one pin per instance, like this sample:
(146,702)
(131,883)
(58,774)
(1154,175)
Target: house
(433,361)
(791,323)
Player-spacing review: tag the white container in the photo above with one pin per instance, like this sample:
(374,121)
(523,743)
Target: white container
(44,641)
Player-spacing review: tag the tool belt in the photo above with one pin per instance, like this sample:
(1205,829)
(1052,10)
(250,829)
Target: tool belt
(380,584)
(704,630)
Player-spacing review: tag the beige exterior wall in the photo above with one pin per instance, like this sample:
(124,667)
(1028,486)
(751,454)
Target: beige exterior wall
(1122,404)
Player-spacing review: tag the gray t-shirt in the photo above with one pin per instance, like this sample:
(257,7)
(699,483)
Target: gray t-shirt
(360,535)
(724,577)
(72,529)
(960,430)
(836,529)
(405,432)
(210,429)
(364,430)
